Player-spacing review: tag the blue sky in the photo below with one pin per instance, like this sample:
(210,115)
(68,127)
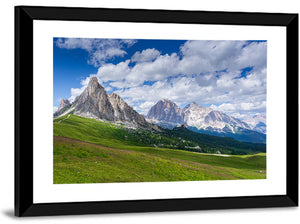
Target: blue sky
(70,65)
(226,75)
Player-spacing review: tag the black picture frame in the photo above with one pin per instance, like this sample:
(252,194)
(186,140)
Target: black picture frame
(24,17)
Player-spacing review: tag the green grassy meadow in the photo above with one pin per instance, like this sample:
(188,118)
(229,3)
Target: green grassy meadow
(91,151)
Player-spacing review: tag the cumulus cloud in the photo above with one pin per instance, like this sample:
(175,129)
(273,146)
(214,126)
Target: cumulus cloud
(232,96)
(179,89)
(73,43)
(126,76)
(145,55)
(205,56)
(111,72)
(207,72)
(198,57)
(100,50)
(243,106)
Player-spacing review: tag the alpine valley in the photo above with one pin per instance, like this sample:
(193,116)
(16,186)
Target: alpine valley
(100,138)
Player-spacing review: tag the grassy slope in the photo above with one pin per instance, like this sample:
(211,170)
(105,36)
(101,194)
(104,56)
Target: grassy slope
(97,152)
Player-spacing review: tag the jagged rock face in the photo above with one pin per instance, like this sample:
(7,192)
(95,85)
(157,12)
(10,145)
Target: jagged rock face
(64,107)
(204,117)
(124,112)
(63,103)
(166,110)
(168,114)
(195,114)
(93,102)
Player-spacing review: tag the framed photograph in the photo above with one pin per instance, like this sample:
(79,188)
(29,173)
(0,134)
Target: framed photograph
(122,110)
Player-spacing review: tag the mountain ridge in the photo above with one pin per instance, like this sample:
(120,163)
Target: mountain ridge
(204,120)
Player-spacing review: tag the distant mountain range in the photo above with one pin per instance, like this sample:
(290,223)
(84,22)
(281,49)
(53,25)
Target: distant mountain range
(205,120)
(94,102)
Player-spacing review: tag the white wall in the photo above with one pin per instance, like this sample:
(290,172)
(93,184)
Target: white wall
(278,215)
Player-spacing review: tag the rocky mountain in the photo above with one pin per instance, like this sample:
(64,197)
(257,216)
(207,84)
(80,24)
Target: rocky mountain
(205,117)
(258,123)
(64,108)
(94,102)
(63,103)
(202,119)
(166,113)
(124,112)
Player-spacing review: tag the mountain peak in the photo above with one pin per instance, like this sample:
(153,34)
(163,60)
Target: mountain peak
(94,102)
(166,100)
(195,104)
(124,112)
(93,81)
(166,110)
(168,103)
(94,88)
(63,103)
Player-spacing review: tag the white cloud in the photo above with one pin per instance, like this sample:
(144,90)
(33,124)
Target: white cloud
(125,76)
(73,43)
(85,82)
(55,109)
(145,55)
(231,96)
(198,57)
(100,50)
(144,107)
(226,80)
(208,56)
(254,54)
(208,72)
(111,72)
(99,57)
(242,107)
(76,92)
(181,90)
(164,66)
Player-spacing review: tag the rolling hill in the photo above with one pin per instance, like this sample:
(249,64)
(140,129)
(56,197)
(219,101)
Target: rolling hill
(96,151)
